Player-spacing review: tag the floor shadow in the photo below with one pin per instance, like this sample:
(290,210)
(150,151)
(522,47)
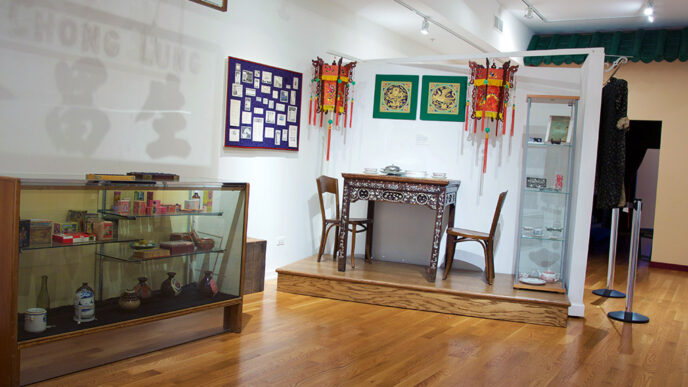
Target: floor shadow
(76,124)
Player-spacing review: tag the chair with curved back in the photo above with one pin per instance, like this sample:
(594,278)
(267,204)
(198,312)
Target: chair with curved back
(330,185)
(456,235)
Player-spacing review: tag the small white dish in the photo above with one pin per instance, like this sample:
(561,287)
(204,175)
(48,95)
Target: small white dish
(439,175)
(370,171)
(416,174)
(532,281)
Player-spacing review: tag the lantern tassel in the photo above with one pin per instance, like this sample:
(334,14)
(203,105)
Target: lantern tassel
(310,109)
(321,118)
(336,114)
(315,111)
(513,116)
(487,131)
(482,121)
(351,115)
(465,121)
(506,113)
(346,114)
(329,136)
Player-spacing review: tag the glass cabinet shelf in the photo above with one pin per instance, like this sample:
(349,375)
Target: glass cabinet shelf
(132,259)
(542,238)
(536,190)
(54,245)
(113,214)
(545,145)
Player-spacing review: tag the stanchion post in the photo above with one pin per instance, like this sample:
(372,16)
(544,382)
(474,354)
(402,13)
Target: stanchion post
(628,315)
(609,291)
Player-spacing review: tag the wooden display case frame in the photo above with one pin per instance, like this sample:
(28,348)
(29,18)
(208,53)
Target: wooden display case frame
(10,195)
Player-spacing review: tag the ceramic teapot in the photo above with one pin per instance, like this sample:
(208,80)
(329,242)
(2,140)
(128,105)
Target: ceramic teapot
(392,170)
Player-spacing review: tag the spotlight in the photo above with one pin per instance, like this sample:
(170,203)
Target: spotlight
(529,13)
(649,9)
(425,27)
(651,19)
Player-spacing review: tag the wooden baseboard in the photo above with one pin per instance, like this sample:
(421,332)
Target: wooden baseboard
(401,297)
(669,266)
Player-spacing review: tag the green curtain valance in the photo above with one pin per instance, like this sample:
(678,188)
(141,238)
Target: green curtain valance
(640,45)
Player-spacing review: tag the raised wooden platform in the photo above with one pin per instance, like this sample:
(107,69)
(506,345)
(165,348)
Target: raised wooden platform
(403,286)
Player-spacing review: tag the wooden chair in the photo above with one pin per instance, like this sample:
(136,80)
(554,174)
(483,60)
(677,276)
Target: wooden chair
(456,235)
(329,185)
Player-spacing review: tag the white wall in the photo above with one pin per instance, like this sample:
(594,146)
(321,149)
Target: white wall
(117,86)
(646,187)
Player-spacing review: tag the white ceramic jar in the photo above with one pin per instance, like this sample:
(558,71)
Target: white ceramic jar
(35,320)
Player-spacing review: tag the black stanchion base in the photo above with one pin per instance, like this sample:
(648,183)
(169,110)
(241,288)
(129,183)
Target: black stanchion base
(630,317)
(611,293)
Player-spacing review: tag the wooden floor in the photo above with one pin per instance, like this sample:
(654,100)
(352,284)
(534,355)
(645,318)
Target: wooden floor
(290,339)
(401,285)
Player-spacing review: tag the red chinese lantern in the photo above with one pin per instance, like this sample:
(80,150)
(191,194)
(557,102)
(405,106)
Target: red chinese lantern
(332,86)
(490,98)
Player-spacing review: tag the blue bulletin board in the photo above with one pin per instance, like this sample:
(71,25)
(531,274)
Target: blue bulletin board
(263,106)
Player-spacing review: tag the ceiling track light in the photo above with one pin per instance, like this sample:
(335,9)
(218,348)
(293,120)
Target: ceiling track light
(529,13)
(651,19)
(425,27)
(649,9)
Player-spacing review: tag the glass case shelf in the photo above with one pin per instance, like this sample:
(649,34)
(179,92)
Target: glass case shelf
(54,245)
(546,145)
(542,238)
(132,259)
(536,190)
(61,318)
(107,213)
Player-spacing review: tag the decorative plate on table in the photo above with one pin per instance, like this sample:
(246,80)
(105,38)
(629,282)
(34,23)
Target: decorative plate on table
(141,245)
(532,281)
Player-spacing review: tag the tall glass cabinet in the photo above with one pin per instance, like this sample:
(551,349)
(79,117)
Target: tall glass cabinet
(541,259)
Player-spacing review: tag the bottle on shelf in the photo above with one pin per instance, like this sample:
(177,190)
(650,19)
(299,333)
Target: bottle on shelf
(43,299)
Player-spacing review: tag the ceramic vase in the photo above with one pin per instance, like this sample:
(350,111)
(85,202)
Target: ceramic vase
(128,300)
(84,304)
(170,287)
(207,285)
(43,300)
(143,291)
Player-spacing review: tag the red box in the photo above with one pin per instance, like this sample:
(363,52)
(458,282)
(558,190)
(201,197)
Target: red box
(65,239)
(104,230)
(178,247)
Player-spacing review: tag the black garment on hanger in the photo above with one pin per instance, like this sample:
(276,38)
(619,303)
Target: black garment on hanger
(611,146)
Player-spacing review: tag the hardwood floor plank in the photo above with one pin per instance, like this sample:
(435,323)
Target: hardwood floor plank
(299,340)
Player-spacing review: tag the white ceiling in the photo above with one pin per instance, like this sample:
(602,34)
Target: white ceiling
(562,16)
(394,17)
(598,15)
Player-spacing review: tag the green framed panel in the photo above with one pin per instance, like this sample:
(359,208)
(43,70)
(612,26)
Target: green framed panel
(443,98)
(396,96)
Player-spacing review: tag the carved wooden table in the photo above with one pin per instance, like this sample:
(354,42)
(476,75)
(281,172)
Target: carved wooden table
(436,194)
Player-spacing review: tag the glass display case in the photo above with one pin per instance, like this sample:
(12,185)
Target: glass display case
(95,256)
(546,193)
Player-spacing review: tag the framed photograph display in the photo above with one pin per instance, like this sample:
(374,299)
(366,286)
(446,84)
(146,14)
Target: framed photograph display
(396,96)
(443,98)
(559,129)
(263,106)
(220,5)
